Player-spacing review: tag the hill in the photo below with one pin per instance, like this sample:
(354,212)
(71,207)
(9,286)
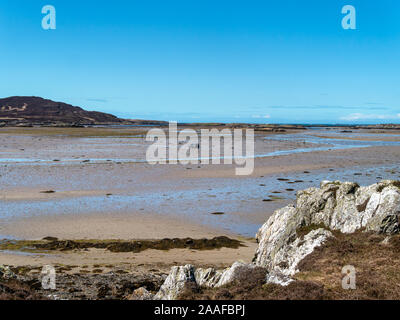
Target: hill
(28,111)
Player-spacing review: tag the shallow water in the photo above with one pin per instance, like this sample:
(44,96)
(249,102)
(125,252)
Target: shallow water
(25,254)
(327,143)
(309,140)
(239,199)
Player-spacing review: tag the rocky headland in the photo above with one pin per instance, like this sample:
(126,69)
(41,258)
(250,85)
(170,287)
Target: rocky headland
(341,217)
(301,251)
(24,111)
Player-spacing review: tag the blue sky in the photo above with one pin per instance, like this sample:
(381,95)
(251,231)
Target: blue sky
(283,61)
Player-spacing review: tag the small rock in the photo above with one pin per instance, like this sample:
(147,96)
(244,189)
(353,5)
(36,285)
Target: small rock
(141,294)
(6,273)
(278,278)
(50,239)
(177,281)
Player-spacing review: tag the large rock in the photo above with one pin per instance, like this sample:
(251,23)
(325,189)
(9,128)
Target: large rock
(277,277)
(211,278)
(275,234)
(280,249)
(346,207)
(6,273)
(183,277)
(287,259)
(141,294)
(383,211)
(176,283)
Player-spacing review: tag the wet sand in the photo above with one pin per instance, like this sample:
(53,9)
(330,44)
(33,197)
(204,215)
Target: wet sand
(106,226)
(149,259)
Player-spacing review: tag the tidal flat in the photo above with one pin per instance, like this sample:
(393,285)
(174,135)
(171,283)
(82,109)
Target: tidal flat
(94,183)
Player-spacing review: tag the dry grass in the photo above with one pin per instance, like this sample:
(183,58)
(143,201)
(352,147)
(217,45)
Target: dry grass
(377,266)
(15,290)
(377,273)
(251,286)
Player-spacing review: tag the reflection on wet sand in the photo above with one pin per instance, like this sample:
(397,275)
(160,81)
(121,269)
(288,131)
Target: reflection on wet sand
(108,175)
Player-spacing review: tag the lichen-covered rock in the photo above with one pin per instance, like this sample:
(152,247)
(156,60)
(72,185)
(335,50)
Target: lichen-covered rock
(275,234)
(333,205)
(343,206)
(180,277)
(6,273)
(287,259)
(279,249)
(211,278)
(207,278)
(346,207)
(278,278)
(177,281)
(383,211)
(232,274)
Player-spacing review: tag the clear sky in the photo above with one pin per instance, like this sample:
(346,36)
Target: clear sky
(265,61)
